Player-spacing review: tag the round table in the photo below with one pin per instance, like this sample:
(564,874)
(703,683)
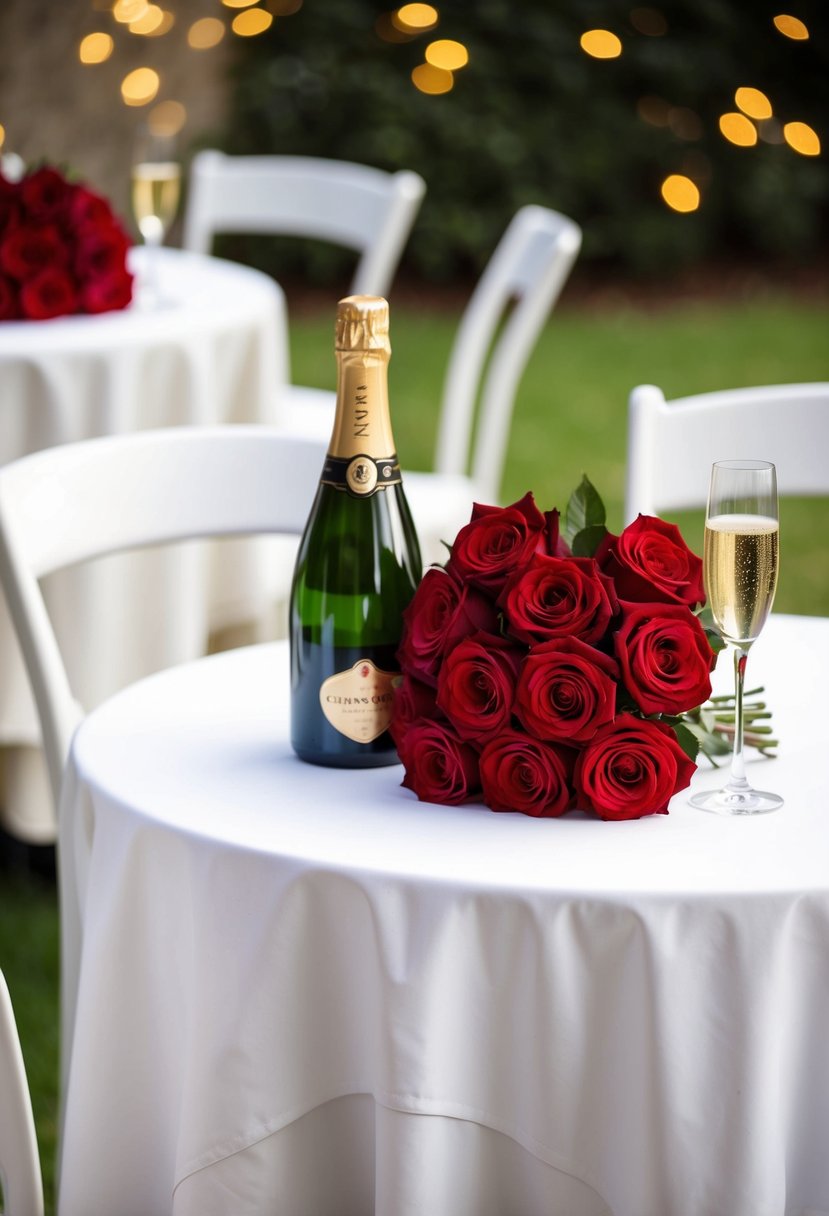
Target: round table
(212,351)
(301,990)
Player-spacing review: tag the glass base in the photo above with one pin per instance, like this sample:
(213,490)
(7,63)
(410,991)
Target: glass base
(737,802)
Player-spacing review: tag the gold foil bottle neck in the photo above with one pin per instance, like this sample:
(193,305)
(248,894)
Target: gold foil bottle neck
(362,324)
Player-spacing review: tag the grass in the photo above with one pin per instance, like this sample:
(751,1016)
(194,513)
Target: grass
(570,418)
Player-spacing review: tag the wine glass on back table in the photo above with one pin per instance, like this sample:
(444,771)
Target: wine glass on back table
(156,187)
(740,570)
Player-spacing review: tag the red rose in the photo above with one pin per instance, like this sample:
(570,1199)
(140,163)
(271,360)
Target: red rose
(631,768)
(441,613)
(495,542)
(101,253)
(50,294)
(45,194)
(88,209)
(476,686)
(412,700)
(554,544)
(107,292)
(558,597)
(521,774)
(440,767)
(651,562)
(28,249)
(9,304)
(665,657)
(566,691)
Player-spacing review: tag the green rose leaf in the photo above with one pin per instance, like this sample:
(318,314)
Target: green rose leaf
(586,542)
(584,510)
(687,740)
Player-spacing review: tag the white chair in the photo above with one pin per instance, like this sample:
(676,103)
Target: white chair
(22,1186)
(71,503)
(83,500)
(497,334)
(357,206)
(672,444)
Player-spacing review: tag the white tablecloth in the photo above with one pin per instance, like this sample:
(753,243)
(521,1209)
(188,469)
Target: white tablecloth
(212,353)
(302,991)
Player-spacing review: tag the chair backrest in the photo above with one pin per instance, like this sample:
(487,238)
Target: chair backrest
(22,1189)
(357,206)
(83,500)
(672,444)
(528,268)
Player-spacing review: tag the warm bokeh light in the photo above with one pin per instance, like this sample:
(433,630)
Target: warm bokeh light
(127,11)
(2,135)
(149,21)
(801,137)
(649,21)
(95,48)
(433,80)
(238,3)
(446,54)
(206,32)
(412,18)
(167,118)
(738,130)
(680,193)
(251,22)
(654,110)
(139,88)
(753,102)
(792,27)
(601,44)
(684,123)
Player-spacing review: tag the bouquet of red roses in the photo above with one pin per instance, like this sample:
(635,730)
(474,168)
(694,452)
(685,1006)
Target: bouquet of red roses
(541,675)
(62,250)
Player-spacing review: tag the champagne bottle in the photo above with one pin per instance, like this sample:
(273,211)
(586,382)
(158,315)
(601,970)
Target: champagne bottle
(358,563)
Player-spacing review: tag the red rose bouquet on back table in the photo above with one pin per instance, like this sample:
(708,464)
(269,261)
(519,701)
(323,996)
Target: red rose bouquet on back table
(546,669)
(62,250)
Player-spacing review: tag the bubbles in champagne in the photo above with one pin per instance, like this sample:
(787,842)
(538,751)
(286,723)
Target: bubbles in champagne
(740,569)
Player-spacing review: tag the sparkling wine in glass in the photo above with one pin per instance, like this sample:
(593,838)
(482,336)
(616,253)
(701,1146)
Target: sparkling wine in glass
(156,187)
(740,569)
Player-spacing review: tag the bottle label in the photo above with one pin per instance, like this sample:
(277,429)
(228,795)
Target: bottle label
(358,702)
(360,475)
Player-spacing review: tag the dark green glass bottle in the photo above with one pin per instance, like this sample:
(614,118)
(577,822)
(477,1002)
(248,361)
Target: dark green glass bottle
(358,563)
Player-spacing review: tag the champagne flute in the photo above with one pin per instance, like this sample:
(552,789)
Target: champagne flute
(156,186)
(740,571)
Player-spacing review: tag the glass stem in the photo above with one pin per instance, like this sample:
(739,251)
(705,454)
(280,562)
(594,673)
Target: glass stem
(737,781)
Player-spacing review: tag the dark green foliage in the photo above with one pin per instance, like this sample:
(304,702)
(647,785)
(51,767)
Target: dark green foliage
(534,119)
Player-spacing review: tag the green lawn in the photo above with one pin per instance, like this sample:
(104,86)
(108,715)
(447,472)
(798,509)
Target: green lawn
(570,418)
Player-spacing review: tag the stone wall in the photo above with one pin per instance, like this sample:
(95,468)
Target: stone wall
(53,107)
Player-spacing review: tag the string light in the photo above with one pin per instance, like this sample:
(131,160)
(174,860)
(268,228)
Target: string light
(140,87)
(251,22)
(429,79)
(149,21)
(167,118)
(801,137)
(738,129)
(753,102)
(414,18)
(446,54)
(127,11)
(205,33)
(95,48)
(601,44)
(680,193)
(791,27)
